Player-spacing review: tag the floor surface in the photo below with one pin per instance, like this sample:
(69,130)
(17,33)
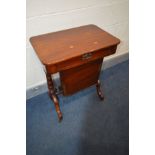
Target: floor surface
(89,126)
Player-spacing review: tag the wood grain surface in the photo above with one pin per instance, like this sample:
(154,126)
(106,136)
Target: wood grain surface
(56,47)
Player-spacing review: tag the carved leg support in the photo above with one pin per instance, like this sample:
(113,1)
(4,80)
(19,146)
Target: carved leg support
(99,92)
(53,96)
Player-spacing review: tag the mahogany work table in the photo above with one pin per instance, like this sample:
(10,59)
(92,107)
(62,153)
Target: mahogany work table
(77,55)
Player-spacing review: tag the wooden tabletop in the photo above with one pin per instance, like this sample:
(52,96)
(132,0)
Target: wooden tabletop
(59,46)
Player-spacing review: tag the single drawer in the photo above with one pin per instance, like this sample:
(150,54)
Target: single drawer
(82,59)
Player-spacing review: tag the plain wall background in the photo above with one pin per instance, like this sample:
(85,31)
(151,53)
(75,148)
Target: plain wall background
(44,16)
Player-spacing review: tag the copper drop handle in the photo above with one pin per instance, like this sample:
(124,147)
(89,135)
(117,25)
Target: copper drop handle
(86,56)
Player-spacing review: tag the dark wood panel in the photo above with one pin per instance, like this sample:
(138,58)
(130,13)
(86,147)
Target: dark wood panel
(77,78)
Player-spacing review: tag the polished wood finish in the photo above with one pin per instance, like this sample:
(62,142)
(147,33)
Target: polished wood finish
(59,47)
(77,54)
(83,76)
(53,96)
(79,60)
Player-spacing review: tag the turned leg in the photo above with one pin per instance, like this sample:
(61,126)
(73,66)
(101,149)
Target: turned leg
(53,96)
(99,92)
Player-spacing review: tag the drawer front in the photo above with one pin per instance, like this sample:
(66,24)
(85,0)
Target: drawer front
(85,58)
(77,78)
